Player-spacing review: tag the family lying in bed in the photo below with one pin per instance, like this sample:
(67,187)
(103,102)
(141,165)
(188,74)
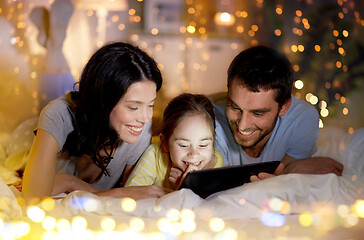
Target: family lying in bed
(91,139)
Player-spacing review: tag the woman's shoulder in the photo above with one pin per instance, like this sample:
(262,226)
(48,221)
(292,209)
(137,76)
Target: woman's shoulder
(220,159)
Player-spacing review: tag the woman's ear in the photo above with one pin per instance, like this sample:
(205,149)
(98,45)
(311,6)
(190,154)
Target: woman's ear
(285,107)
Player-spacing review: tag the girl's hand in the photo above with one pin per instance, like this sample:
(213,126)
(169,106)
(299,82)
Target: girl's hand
(176,175)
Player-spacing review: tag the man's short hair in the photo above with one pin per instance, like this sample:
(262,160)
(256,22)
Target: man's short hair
(263,68)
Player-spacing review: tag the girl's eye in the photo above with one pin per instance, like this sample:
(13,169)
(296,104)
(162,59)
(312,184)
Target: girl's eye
(183,145)
(151,106)
(203,145)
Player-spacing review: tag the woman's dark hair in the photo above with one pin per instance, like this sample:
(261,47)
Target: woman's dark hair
(105,79)
(182,106)
(264,68)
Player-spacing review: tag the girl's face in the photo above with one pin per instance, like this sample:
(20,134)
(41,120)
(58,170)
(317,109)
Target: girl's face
(192,143)
(134,110)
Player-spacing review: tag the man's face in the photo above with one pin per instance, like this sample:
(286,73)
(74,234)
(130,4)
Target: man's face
(252,116)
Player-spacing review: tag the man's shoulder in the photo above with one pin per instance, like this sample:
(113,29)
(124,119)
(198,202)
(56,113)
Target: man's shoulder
(300,108)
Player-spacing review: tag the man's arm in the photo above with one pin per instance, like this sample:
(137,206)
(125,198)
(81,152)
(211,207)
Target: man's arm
(312,165)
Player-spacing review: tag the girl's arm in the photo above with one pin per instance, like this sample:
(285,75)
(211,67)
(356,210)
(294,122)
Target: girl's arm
(39,174)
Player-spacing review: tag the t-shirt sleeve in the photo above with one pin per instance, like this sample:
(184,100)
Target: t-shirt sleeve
(220,159)
(145,170)
(56,119)
(302,142)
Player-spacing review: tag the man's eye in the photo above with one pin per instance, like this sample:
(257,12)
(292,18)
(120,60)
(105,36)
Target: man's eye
(258,114)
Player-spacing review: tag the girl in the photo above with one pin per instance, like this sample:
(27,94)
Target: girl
(85,140)
(186,144)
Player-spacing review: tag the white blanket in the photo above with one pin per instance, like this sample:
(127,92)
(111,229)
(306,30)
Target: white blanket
(287,198)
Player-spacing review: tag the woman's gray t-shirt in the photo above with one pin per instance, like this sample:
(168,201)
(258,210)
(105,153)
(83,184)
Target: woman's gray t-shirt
(55,119)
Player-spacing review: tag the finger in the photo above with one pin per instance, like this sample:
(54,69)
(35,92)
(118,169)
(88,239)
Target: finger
(279,169)
(254,178)
(264,175)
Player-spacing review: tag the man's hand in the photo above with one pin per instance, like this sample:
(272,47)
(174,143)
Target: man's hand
(264,175)
(314,165)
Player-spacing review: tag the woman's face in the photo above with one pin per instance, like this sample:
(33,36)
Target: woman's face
(134,110)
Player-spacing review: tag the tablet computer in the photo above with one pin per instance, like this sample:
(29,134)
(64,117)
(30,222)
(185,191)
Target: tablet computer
(209,181)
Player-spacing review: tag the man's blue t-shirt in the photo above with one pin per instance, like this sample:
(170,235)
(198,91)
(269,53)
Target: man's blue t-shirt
(294,134)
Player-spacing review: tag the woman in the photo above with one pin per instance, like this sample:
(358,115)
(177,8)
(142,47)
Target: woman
(86,140)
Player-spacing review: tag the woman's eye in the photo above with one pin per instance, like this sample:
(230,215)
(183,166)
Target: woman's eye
(151,106)
(133,108)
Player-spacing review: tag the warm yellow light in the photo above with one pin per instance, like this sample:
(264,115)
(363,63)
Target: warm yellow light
(296,68)
(79,223)
(244,14)
(294,48)
(338,64)
(298,13)
(63,225)
(345,111)
(322,104)
(191,29)
(136,224)
(342,99)
(121,27)
(314,100)
(335,33)
(202,30)
(350,130)
(305,219)
(255,28)
(279,10)
(131,11)
(191,10)
(224,19)
(277,32)
(301,48)
(317,48)
(240,29)
(108,224)
(345,33)
(340,15)
(251,33)
(49,223)
(298,84)
(324,112)
(173,214)
(321,123)
(35,214)
(341,50)
(135,37)
(154,31)
(128,204)
(216,224)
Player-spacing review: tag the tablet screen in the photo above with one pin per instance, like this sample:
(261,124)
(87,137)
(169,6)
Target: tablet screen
(208,181)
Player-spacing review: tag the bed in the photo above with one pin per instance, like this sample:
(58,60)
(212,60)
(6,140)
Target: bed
(293,206)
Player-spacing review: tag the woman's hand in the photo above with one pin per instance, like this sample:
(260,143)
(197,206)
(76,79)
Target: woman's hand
(135,192)
(66,183)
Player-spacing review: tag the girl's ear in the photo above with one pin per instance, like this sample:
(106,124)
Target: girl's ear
(164,144)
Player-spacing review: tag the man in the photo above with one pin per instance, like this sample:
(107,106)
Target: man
(262,122)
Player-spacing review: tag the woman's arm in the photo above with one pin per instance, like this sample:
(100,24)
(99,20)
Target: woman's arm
(39,174)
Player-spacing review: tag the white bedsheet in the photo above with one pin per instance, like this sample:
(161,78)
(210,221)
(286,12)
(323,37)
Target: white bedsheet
(287,198)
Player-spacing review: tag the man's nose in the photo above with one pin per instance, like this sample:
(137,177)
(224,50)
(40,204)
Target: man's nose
(244,121)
